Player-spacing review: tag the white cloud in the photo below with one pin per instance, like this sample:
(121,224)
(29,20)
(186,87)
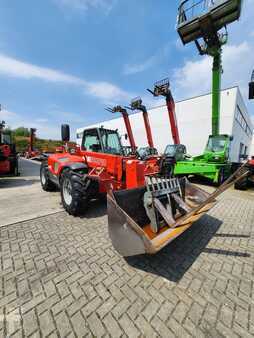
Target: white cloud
(7,115)
(105,91)
(108,92)
(130,69)
(13,67)
(84,5)
(157,58)
(42,120)
(195,77)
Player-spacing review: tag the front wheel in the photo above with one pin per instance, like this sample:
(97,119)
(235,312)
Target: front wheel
(73,193)
(46,183)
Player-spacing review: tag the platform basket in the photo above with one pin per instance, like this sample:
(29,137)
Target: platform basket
(193,13)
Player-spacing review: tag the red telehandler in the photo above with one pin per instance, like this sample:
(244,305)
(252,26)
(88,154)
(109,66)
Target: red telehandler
(8,154)
(97,167)
(31,151)
(177,151)
(150,150)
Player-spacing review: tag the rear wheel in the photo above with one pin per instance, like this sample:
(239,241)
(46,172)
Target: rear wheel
(73,193)
(46,183)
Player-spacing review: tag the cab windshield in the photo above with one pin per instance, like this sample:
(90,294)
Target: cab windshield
(170,150)
(216,143)
(111,142)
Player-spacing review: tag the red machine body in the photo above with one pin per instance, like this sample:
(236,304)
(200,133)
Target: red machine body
(97,167)
(8,155)
(247,181)
(111,171)
(32,152)
(5,166)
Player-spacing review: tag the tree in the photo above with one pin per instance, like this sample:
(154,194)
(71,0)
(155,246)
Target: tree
(21,131)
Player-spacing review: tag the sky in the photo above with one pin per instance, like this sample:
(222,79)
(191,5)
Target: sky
(64,61)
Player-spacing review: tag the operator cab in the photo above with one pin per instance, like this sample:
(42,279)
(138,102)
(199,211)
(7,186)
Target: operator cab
(101,140)
(176,151)
(218,147)
(145,152)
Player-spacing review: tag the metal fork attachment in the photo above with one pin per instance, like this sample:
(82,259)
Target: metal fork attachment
(161,88)
(164,199)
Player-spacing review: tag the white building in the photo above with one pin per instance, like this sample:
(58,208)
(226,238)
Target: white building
(194,123)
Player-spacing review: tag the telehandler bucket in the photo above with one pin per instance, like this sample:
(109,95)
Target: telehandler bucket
(146,219)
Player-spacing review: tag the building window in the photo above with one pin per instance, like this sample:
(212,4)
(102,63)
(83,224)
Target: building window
(245,150)
(241,120)
(241,151)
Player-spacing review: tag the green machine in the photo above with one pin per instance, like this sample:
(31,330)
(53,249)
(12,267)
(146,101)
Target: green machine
(206,20)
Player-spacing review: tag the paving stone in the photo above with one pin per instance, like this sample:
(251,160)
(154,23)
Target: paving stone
(79,325)
(63,324)
(112,326)
(30,323)
(46,323)
(64,279)
(128,327)
(160,327)
(95,325)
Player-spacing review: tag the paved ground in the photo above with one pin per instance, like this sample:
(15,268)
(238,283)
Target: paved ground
(22,198)
(60,277)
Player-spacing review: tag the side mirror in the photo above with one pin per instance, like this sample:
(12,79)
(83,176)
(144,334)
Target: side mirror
(65,131)
(126,136)
(231,138)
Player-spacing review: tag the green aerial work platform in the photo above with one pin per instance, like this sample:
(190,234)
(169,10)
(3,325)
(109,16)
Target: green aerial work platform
(193,14)
(207,20)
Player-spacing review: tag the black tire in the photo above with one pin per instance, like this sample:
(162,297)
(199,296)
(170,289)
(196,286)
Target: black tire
(221,177)
(73,193)
(14,167)
(46,183)
(241,185)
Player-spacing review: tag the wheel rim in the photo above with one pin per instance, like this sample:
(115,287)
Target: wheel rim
(67,191)
(43,176)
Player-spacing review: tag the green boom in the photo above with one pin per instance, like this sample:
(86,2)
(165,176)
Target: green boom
(216,87)
(193,25)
